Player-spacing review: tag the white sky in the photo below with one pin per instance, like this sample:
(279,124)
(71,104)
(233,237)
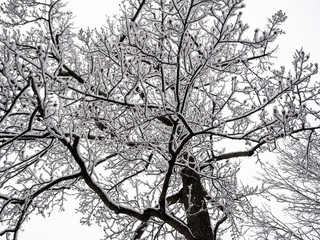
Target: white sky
(302,29)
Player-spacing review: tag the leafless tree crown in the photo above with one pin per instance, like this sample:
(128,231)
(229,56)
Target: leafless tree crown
(144,119)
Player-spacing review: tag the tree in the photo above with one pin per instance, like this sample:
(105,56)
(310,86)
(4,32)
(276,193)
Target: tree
(142,121)
(295,184)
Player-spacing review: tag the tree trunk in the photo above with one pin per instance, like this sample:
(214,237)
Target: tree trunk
(193,198)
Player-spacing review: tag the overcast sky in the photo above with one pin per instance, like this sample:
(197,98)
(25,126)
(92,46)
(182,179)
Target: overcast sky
(302,30)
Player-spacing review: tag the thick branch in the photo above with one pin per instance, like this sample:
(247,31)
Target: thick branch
(215,231)
(225,156)
(118,208)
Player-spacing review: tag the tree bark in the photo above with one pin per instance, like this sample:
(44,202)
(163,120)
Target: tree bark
(193,198)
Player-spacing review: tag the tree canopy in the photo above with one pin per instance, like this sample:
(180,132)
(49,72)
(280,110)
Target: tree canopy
(144,120)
